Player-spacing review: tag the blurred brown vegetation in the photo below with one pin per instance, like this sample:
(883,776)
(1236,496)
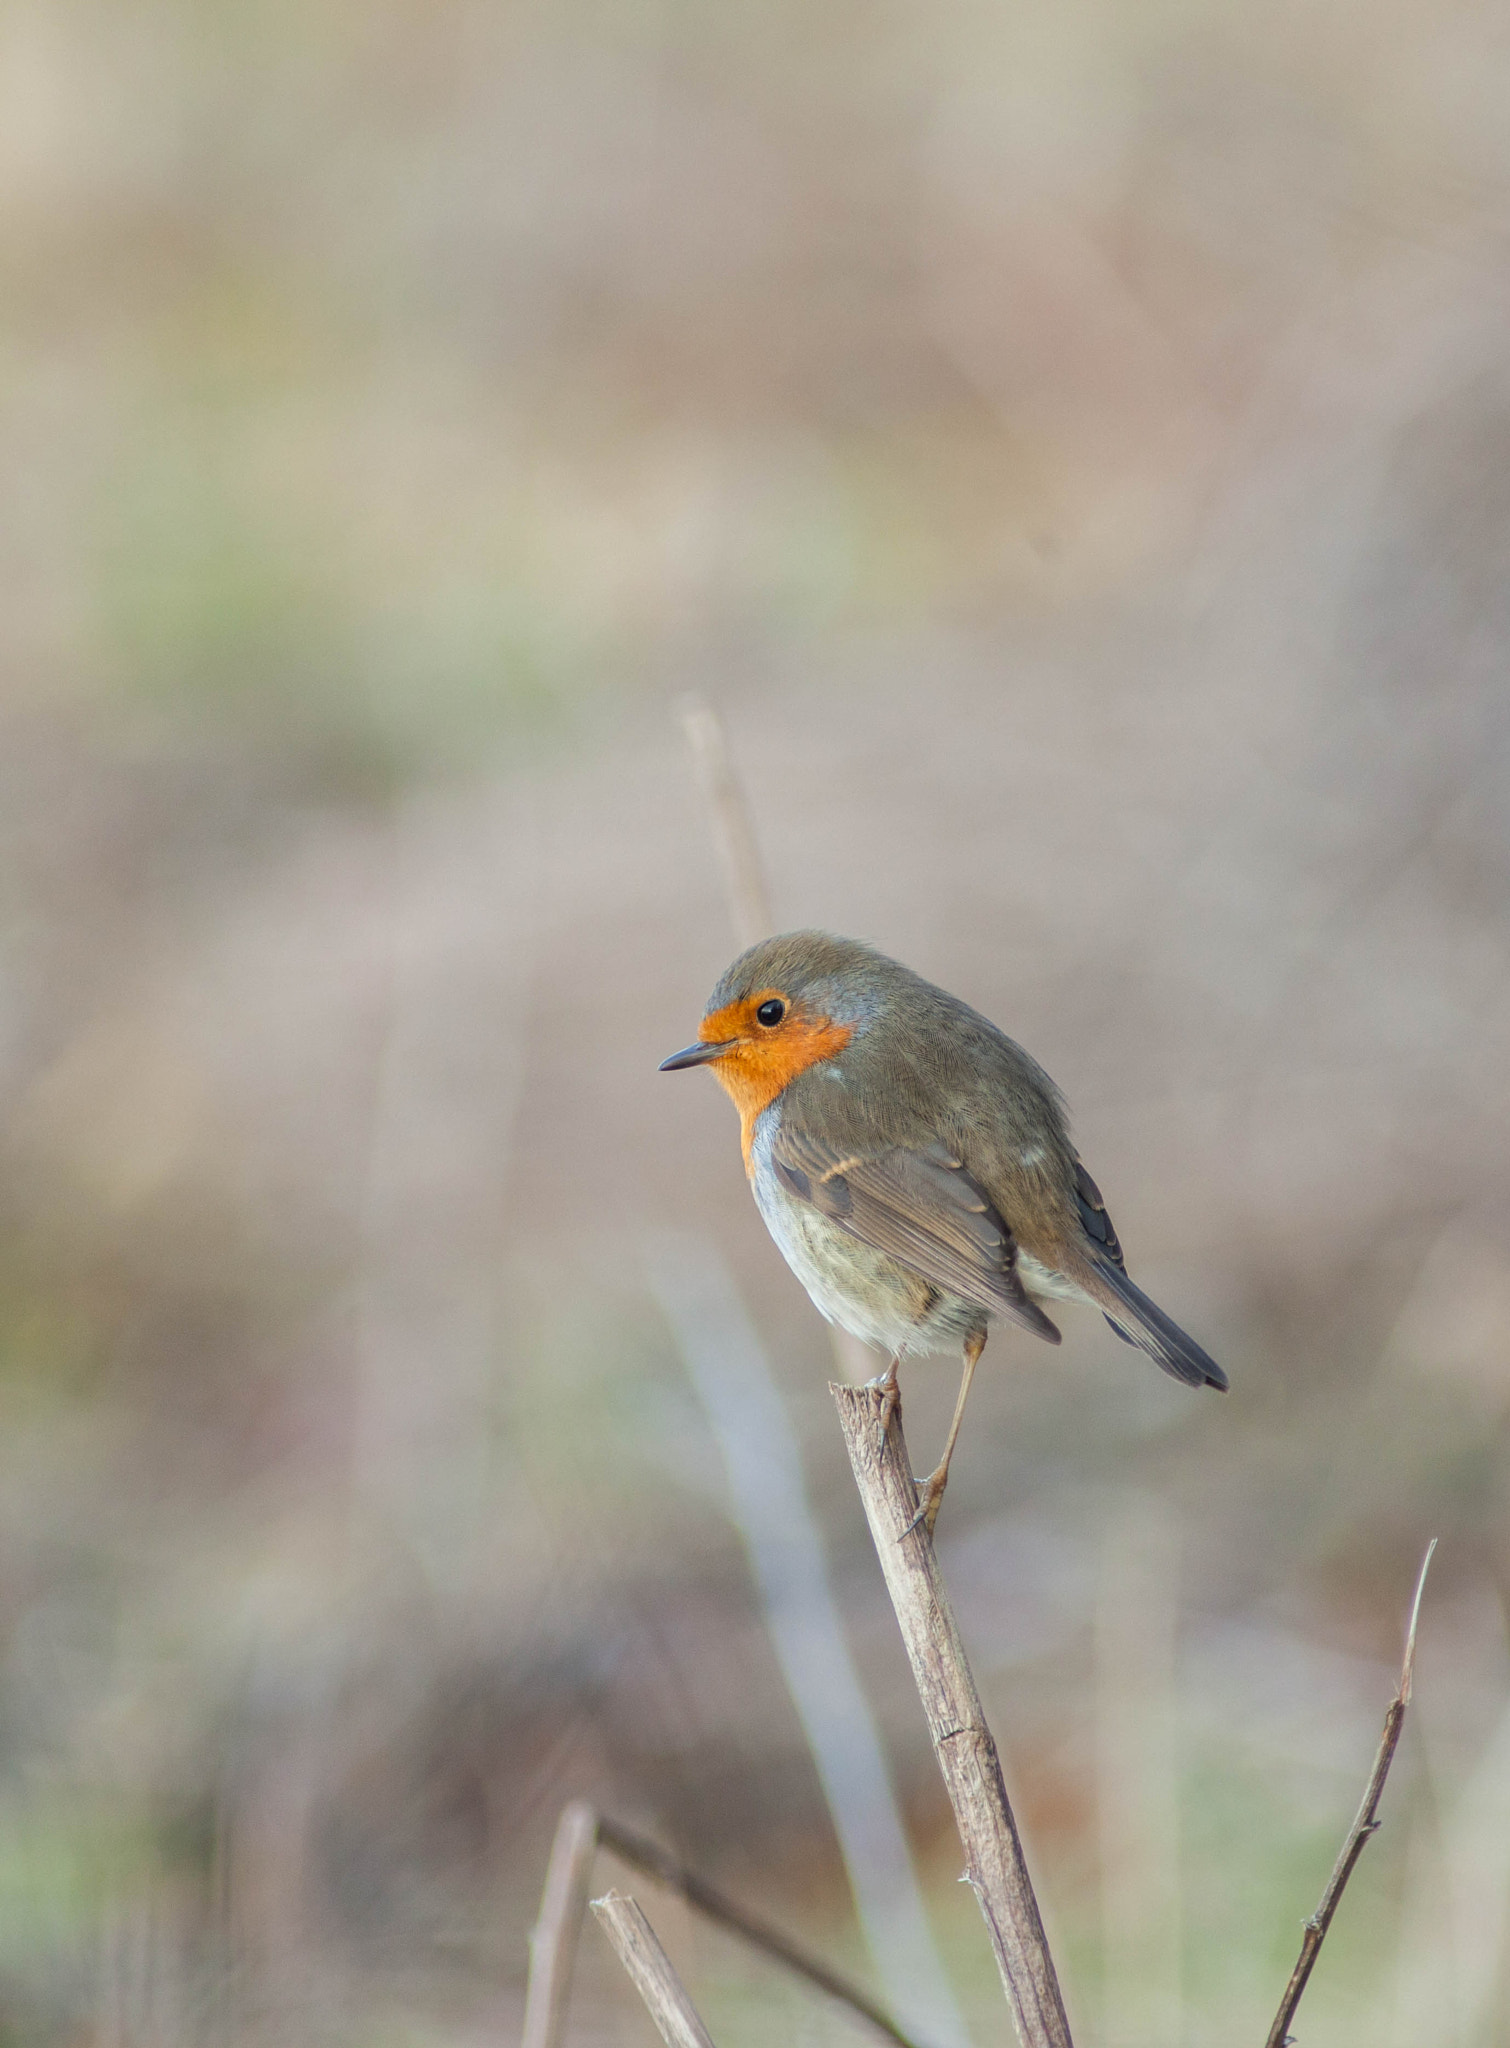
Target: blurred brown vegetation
(1072,444)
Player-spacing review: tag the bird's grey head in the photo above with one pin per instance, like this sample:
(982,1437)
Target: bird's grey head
(842,979)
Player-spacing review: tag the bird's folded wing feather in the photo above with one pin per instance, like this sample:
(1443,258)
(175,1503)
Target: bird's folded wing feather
(1097,1224)
(919,1207)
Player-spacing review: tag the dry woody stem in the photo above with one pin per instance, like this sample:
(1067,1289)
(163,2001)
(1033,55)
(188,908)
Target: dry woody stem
(961,1740)
(553,1941)
(730,822)
(580,1832)
(650,1971)
(1365,1823)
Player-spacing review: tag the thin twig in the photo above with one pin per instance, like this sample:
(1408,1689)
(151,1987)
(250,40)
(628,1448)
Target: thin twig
(669,1870)
(729,820)
(579,1833)
(956,1721)
(650,1971)
(553,1939)
(1365,1823)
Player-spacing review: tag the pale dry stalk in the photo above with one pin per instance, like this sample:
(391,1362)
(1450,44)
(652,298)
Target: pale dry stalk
(553,1939)
(730,823)
(956,1721)
(650,1972)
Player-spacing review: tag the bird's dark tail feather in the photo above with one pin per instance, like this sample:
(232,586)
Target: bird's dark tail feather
(1164,1341)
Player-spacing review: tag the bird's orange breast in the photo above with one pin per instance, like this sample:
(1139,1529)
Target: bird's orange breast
(754,1071)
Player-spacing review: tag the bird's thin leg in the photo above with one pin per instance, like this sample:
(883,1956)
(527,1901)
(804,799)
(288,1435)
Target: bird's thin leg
(886,1385)
(932,1491)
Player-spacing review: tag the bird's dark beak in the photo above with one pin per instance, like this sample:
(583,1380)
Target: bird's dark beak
(695,1055)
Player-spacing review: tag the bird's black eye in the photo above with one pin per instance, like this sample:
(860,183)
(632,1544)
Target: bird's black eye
(771,1012)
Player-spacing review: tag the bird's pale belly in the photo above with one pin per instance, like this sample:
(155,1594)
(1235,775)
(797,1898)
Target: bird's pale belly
(866,1292)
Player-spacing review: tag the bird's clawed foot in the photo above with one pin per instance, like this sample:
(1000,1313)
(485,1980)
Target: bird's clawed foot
(932,1488)
(886,1385)
(930,1493)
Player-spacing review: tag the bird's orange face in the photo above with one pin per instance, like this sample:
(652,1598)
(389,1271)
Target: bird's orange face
(758,1044)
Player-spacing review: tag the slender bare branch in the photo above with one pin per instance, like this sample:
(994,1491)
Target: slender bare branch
(730,822)
(650,1971)
(553,1939)
(1365,1823)
(649,1857)
(956,1721)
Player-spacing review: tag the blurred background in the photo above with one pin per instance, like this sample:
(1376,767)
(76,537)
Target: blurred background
(1070,444)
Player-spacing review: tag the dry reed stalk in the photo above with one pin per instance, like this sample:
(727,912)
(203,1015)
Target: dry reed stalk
(956,1721)
(730,823)
(650,1971)
(1365,1823)
(553,1939)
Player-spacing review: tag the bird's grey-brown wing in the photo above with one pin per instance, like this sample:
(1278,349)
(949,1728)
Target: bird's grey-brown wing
(1097,1224)
(922,1209)
(1098,1227)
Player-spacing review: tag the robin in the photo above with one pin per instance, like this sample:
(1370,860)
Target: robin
(913,1164)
